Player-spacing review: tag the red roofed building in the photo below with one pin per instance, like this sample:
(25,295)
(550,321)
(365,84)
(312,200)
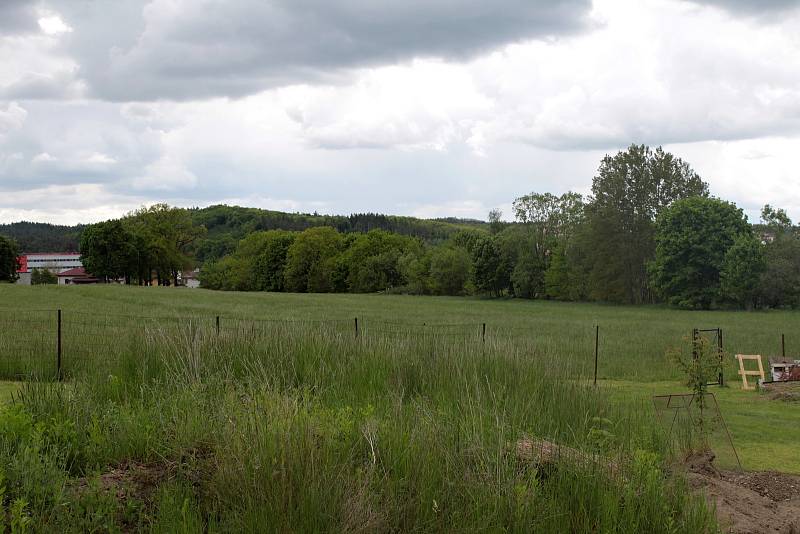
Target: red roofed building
(76,276)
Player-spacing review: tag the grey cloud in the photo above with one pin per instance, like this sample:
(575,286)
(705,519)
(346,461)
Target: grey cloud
(185,50)
(33,86)
(17,16)
(766,8)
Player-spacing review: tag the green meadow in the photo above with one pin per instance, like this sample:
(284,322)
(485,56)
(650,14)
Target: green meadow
(289,417)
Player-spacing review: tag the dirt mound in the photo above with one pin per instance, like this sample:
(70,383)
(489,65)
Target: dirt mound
(750,502)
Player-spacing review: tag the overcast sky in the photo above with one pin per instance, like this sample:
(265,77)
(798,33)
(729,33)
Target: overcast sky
(422,107)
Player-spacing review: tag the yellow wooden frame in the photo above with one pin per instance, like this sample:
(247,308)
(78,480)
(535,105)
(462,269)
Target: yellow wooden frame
(744,373)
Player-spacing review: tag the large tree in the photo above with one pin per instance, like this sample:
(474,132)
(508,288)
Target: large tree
(548,223)
(629,191)
(693,238)
(742,270)
(311,260)
(108,251)
(9,259)
(168,237)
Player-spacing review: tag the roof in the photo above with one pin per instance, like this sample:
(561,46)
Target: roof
(77,271)
(782,361)
(50,254)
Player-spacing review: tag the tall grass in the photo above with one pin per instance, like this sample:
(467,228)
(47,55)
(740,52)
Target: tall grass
(300,426)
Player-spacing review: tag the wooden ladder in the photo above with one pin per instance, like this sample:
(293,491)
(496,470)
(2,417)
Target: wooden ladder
(744,373)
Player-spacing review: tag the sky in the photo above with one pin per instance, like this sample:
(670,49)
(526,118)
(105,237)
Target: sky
(429,108)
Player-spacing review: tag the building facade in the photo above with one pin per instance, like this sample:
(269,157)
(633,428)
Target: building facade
(55,262)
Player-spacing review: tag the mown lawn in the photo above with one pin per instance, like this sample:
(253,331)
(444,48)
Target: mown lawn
(764,431)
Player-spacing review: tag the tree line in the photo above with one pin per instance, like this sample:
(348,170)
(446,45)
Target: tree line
(649,232)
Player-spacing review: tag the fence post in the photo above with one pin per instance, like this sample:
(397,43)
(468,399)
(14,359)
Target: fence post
(483,333)
(217,324)
(695,335)
(719,354)
(58,345)
(596,347)
(355,321)
(783,346)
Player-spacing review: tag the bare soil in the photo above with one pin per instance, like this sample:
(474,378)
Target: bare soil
(750,502)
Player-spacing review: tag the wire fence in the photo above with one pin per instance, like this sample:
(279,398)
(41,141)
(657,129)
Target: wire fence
(54,344)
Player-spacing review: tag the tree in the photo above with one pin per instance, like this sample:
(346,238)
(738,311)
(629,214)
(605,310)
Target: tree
(629,191)
(775,219)
(107,250)
(491,274)
(169,236)
(780,282)
(42,276)
(269,267)
(371,260)
(310,260)
(450,268)
(742,269)
(9,259)
(693,236)
(496,223)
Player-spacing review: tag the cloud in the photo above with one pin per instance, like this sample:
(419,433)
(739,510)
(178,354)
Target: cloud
(764,8)
(184,49)
(11,118)
(18,17)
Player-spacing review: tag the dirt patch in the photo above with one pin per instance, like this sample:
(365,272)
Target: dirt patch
(757,502)
(783,391)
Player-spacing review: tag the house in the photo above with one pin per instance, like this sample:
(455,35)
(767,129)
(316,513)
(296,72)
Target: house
(190,278)
(55,262)
(77,275)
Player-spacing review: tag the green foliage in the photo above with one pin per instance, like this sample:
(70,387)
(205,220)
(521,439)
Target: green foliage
(42,237)
(43,276)
(372,260)
(780,282)
(701,364)
(450,270)
(742,269)
(311,260)
(775,219)
(629,192)
(9,253)
(107,250)
(692,240)
(490,268)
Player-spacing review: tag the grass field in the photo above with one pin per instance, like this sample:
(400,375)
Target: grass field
(286,418)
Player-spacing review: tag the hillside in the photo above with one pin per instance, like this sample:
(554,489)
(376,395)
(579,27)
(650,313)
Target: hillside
(228,224)
(43,237)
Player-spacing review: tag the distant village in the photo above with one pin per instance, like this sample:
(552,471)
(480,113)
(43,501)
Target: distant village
(68,269)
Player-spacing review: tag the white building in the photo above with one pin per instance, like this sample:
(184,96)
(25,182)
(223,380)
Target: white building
(55,262)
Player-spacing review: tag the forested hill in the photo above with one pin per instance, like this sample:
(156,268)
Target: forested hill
(228,224)
(43,237)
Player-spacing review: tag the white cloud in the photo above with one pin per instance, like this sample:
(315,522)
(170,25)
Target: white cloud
(53,25)
(405,127)
(11,118)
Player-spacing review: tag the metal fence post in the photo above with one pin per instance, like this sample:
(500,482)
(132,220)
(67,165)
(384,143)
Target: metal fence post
(719,354)
(483,333)
(596,350)
(217,324)
(58,345)
(355,321)
(783,346)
